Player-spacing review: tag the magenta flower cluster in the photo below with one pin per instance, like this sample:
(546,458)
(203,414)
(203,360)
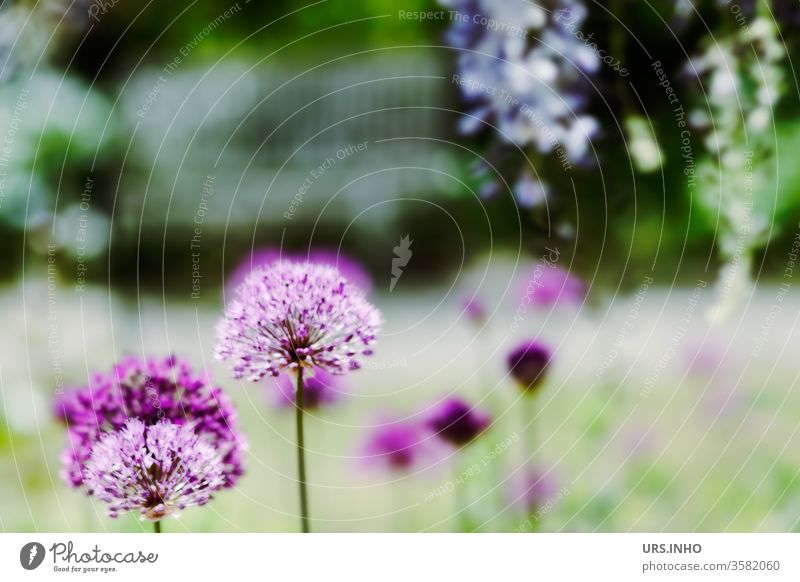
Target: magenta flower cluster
(401,445)
(292,315)
(157,470)
(150,391)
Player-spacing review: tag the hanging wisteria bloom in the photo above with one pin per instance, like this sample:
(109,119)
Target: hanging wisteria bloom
(155,470)
(457,423)
(151,391)
(536,59)
(524,70)
(291,315)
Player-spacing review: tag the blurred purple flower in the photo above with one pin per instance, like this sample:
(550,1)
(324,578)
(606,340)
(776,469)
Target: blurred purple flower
(458,424)
(150,391)
(549,285)
(290,315)
(350,269)
(157,470)
(474,308)
(533,491)
(321,389)
(398,445)
(528,364)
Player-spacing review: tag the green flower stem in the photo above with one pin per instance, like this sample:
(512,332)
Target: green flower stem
(301,452)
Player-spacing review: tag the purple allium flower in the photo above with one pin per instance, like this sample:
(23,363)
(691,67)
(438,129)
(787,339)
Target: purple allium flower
(457,423)
(397,445)
(474,308)
(290,315)
(351,269)
(158,470)
(549,285)
(533,491)
(148,390)
(528,364)
(320,390)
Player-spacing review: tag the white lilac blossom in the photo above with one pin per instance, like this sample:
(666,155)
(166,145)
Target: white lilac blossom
(155,470)
(742,81)
(296,315)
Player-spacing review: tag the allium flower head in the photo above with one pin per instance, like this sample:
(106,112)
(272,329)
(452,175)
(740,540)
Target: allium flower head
(291,315)
(352,270)
(157,470)
(551,286)
(528,363)
(457,423)
(150,391)
(474,308)
(397,445)
(533,491)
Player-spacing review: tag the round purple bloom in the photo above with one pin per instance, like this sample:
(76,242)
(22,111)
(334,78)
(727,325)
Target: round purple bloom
(397,445)
(528,364)
(457,423)
(321,389)
(157,470)
(290,315)
(474,308)
(150,391)
(351,269)
(534,491)
(550,286)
